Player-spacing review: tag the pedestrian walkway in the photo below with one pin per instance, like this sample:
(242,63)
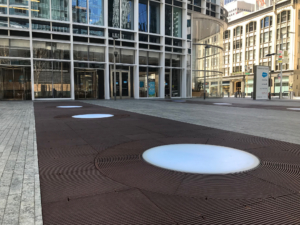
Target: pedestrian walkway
(20,201)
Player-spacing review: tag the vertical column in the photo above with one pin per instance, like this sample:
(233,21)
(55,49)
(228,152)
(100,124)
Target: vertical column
(106,71)
(257,42)
(243,58)
(136,83)
(184,57)
(162,55)
(274,40)
(231,88)
(31,51)
(71,53)
(231,51)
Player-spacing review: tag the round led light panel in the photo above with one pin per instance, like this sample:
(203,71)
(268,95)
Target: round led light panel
(69,106)
(92,116)
(198,158)
(222,104)
(297,109)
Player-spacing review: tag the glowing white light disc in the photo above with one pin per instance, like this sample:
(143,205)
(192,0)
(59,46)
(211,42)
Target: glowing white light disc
(297,109)
(68,106)
(92,116)
(222,104)
(198,158)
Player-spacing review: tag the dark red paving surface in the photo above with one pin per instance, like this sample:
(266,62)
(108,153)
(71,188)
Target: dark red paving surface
(92,172)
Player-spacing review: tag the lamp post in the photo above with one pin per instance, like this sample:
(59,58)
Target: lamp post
(206,47)
(115,36)
(270,55)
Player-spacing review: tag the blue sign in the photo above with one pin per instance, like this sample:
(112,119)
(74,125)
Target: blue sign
(141,84)
(264,74)
(125,82)
(152,89)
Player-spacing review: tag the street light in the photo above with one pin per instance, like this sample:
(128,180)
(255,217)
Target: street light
(115,36)
(206,47)
(270,55)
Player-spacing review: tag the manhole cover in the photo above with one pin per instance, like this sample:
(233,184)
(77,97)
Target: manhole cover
(199,158)
(68,106)
(92,116)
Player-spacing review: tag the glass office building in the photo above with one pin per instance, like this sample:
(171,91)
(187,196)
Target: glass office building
(63,49)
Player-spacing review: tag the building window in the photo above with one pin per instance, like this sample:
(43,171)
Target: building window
(40,9)
(60,10)
(154,18)
(168,20)
(96,12)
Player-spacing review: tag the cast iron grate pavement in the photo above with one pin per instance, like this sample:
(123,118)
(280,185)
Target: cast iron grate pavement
(92,172)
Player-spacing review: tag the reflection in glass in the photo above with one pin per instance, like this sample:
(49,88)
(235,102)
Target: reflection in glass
(143,86)
(176,82)
(80,30)
(176,60)
(143,16)
(154,17)
(19,11)
(153,58)
(96,12)
(168,20)
(80,52)
(177,22)
(4,47)
(42,49)
(3,22)
(79,11)
(52,79)
(96,32)
(96,53)
(114,13)
(61,51)
(3,8)
(19,48)
(60,10)
(143,58)
(40,9)
(127,14)
(127,56)
(58,27)
(39,25)
(153,82)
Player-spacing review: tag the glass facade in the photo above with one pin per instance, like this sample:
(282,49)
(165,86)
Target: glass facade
(64,48)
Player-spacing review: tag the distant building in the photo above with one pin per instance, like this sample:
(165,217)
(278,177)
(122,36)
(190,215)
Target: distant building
(236,7)
(251,37)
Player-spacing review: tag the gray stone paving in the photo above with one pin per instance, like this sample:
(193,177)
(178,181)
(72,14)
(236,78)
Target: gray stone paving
(20,199)
(274,124)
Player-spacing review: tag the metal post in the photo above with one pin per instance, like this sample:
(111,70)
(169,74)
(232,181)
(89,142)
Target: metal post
(280,94)
(204,85)
(115,86)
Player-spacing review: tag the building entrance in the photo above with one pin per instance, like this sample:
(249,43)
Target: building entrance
(89,84)
(123,84)
(172,82)
(15,83)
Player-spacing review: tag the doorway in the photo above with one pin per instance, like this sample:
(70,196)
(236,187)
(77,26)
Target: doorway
(89,83)
(123,83)
(238,86)
(15,83)
(172,83)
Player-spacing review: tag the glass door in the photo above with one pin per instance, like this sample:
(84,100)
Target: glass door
(15,83)
(122,84)
(86,84)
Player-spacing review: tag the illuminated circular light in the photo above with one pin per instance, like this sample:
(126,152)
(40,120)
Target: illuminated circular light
(69,106)
(92,116)
(297,109)
(198,158)
(222,103)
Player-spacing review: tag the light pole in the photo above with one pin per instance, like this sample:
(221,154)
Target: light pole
(206,47)
(270,55)
(115,36)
